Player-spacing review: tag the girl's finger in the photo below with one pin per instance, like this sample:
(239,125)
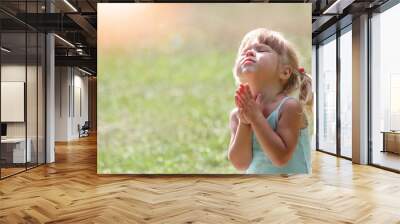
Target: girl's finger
(241,102)
(245,95)
(258,98)
(242,98)
(241,111)
(239,93)
(248,92)
(241,89)
(237,101)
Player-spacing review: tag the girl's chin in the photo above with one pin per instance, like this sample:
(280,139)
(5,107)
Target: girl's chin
(247,73)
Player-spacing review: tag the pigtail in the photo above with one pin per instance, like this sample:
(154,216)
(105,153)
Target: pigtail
(306,98)
(306,95)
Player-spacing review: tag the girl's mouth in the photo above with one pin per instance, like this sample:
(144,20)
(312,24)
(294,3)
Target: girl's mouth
(248,61)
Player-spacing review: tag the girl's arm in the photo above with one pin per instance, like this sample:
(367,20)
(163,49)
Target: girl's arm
(280,145)
(240,147)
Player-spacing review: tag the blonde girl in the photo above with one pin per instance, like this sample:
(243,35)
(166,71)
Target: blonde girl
(269,127)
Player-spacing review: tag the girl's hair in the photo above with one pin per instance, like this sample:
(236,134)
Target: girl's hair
(299,80)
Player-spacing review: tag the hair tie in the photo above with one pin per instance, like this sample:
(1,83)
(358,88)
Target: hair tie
(301,70)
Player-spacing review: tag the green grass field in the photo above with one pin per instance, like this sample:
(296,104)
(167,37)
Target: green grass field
(165,113)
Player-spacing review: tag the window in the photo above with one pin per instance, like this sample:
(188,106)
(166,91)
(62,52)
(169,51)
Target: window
(327,95)
(314,89)
(346,93)
(385,88)
(22,78)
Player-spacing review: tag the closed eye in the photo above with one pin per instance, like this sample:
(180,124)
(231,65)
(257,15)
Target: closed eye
(262,49)
(258,48)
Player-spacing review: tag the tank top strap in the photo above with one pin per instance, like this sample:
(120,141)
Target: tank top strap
(278,108)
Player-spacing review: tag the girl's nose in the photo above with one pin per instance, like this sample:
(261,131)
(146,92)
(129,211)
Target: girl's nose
(249,52)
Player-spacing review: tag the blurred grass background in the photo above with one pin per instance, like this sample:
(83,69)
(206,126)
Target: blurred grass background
(166,114)
(165,88)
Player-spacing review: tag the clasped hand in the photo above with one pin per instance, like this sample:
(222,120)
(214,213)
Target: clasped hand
(249,107)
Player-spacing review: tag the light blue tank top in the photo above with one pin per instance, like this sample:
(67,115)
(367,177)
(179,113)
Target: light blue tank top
(300,161)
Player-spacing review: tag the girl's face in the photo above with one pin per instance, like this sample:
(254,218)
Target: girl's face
(257,63)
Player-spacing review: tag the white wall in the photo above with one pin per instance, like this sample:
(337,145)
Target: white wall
(12,100)
(81,100)
(61,103)
(70,83)
(12,73)
(33,127)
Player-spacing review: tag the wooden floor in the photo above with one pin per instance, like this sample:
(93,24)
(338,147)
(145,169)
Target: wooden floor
(70,191)
(387,159)
(10,171)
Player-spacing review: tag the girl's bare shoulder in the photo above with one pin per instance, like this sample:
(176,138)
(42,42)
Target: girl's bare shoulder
(291,105)
(292,112)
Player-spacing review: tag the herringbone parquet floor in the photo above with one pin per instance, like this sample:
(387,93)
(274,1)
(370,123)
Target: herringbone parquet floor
(70,191)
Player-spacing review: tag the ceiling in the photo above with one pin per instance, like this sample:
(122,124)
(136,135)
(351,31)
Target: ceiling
(76,22)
